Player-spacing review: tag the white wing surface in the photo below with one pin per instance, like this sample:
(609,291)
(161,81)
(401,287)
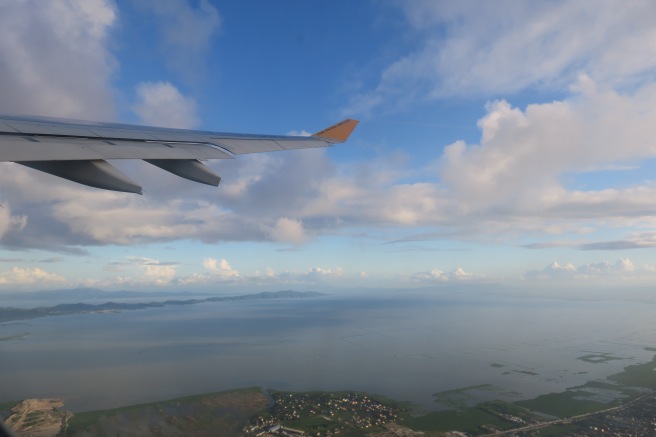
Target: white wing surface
(78,150)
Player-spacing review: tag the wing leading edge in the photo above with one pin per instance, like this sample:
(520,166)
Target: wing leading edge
(78,150)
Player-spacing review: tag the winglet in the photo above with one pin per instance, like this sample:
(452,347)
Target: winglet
(339,132)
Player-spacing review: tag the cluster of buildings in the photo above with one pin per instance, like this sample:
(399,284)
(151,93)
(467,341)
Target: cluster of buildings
(637,419)
(321,414)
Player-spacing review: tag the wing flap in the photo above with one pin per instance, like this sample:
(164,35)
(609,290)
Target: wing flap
(191,169)
(94,173)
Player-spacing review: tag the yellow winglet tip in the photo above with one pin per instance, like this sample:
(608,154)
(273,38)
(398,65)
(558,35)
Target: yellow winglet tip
(338,133)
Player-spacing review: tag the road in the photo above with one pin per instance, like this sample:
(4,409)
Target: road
(566,420)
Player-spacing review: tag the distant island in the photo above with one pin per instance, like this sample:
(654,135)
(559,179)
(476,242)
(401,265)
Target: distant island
(8,314)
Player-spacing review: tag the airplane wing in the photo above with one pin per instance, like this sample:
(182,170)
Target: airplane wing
(78,150)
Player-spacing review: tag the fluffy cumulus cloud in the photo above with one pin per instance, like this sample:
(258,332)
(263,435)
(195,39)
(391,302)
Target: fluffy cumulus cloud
(216,271)
(437,275)
(67,215)
(514,180)
(319,272)
(162,104)
(18,276)
(219,271)
(623,271)
(524,153)
(288,231)
(493,48)
(137,271)
(220,268)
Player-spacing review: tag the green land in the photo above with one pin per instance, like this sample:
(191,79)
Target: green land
(486,417)
(200,415)
(471,420)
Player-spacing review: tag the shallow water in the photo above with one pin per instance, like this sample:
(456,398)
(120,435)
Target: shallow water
(407,347)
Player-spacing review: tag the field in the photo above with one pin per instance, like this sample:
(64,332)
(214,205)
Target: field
(638,375)
(583,399)
(565,404)
(467,420)
(199,415)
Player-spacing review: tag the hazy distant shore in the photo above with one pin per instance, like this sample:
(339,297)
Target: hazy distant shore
(8,314)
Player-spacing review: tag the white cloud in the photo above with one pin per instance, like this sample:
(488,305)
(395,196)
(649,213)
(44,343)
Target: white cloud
(432,275)
(500,47)
(313,276)
(288,230)
(29,276)
(516,169)
(642,240)
(219,268)
(137,272)
(437,275)
(622,270)
(268,273)
(215,271)
(160,275)
(301,133)
(143,261)
(322,272)
(140,272)
(162,104)
(56,60)
(10,222)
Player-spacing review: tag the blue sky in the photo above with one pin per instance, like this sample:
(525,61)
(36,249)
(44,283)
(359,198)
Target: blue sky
(500,142)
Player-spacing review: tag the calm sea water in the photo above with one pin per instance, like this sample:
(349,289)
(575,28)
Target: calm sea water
(404,346)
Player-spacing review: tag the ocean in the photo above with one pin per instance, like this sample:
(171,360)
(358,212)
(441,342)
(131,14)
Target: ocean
(402,344)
